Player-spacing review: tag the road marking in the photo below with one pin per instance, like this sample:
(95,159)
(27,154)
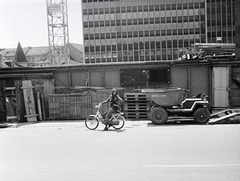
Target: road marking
(182,166)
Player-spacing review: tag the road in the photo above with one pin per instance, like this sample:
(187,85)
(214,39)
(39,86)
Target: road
(140,151)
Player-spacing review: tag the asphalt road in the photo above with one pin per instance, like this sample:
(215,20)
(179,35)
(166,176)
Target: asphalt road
(141,151)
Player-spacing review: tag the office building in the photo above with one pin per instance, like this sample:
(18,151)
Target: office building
(151,30)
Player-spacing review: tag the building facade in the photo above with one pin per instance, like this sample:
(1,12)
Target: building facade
(153,30)
(220,21)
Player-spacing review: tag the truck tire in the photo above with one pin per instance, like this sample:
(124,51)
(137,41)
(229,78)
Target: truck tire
(201,115)
(158,115)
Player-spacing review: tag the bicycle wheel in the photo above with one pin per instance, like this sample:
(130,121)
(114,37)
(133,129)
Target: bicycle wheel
(91,122)
(121,121)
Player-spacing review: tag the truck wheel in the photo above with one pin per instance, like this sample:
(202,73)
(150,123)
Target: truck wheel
(201,115)
(158,115)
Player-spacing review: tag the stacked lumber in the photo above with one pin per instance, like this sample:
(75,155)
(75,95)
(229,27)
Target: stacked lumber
(100,96)
(136,106)
(66,106)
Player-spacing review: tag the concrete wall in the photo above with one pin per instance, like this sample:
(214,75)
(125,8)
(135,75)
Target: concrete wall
(194,78)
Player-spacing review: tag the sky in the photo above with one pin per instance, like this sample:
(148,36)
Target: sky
(25,21)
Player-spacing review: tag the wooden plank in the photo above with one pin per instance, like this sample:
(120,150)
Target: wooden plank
(20,102)
(39,106)
(29,100)
(3,109)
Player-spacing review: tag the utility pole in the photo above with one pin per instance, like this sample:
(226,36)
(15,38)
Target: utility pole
(58,36)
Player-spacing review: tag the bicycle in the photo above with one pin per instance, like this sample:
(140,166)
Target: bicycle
(117,120)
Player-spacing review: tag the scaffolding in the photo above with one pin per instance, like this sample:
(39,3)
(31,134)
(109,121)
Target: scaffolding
(58,36)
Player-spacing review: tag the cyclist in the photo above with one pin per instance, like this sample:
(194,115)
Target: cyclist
(115,101)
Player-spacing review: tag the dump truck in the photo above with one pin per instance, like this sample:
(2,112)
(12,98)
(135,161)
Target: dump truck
(172,102)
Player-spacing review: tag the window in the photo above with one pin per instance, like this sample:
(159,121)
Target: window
(180,32)
(168,19)
(101,23)
(157,32)
(146,33)
(140,33)
(97,36)
(179,6)
(102,36)
(129,34)
(134,21)
(95,11)
(162,7)
(151,8)
(113,35)
(140,9)
(185,5)
(163,32)
(145,8)
(157,20)
(151,20)
(117,9)
(152,33)
(174,19)
(134,8)
(96,23)
(123,9)
(129,21)
(174,6)
(101,11)
(91,36)
(107,35)
(145,20)
(129,9)
(107,23)
(106,10)
(140,21)
(169,32)
(112,22)
(135,34)
(124,22)
(161,76)
(168,7)
(112,10)
(124,34)
(157,7)
(85,37)
(85,12)
(90,11)
(85,24)
(162,19)
(90,23)
(179,19)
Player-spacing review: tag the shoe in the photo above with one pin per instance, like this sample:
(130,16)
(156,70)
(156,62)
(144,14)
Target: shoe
(106,128)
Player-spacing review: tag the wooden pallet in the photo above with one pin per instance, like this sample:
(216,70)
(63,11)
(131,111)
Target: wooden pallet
(136,106)
(136,115)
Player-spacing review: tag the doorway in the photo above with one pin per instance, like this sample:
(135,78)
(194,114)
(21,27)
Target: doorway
(220,87)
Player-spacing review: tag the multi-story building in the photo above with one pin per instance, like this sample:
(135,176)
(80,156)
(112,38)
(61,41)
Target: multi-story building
(151,30)
(220,21)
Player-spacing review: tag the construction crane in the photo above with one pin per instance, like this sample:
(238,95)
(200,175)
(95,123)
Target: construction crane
(58,36)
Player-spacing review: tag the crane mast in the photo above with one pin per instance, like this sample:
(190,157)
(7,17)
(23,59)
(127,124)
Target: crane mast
(58,36)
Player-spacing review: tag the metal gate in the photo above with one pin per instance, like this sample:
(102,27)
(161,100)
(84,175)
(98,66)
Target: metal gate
(220,87)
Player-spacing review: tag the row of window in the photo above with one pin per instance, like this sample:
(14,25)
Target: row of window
(142,45)
(132,58)
(141,21)
(151,33)
(145,8)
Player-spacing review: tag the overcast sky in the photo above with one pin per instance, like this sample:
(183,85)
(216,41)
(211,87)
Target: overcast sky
(25,21)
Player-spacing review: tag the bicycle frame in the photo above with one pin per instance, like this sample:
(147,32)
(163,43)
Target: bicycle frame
(117,120)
